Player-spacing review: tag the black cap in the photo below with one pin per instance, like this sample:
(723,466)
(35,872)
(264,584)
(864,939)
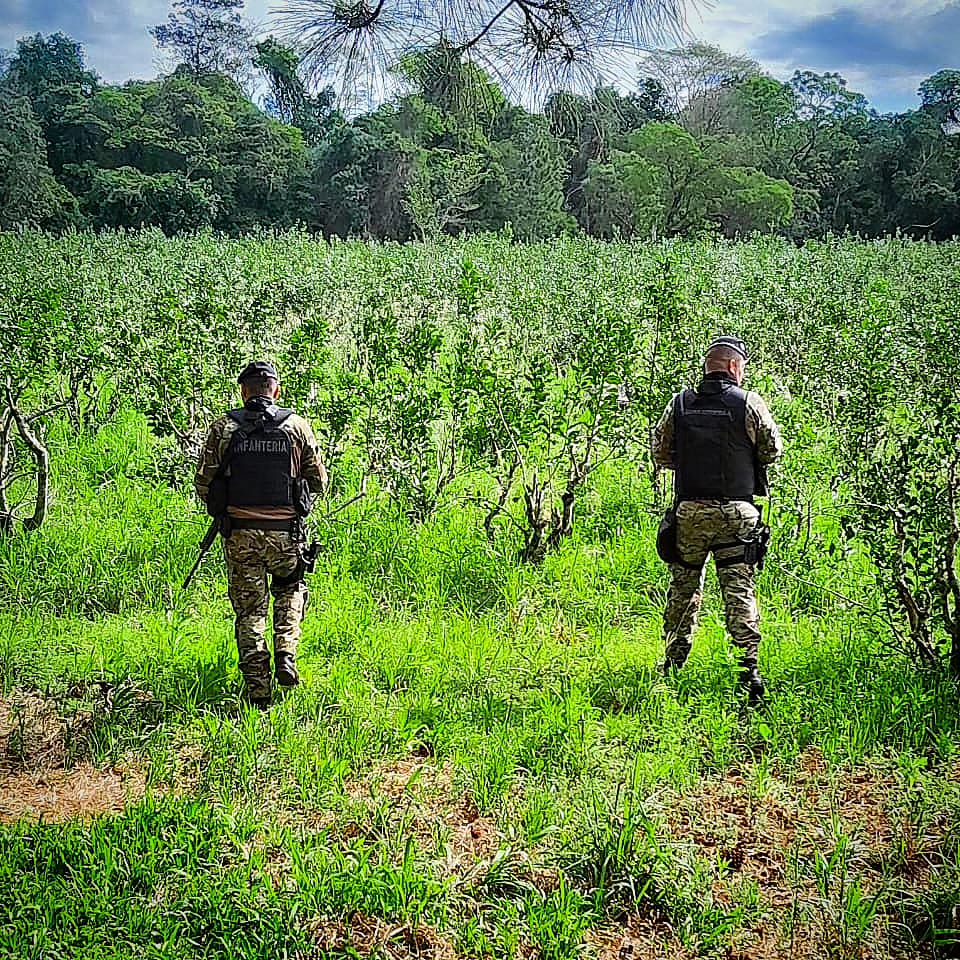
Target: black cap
(260,370)
(733,343)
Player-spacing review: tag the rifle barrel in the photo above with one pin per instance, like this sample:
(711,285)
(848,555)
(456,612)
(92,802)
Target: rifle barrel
(205,544)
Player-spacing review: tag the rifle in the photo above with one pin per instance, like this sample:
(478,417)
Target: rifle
(205,544)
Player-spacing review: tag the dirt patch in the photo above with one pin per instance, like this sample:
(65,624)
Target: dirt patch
(34,733)
(371,936)
(56,795)
(421,797)
(801,835)
(636,939)
(41,777)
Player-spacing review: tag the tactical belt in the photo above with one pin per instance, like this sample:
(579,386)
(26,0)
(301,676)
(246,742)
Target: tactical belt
(238,523)
(716,500)
(728,561)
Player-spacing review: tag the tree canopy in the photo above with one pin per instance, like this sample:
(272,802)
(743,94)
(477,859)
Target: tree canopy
(701,143)
(206,36)
(529,47)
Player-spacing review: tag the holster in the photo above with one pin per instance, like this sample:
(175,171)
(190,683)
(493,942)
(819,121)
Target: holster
(755,547)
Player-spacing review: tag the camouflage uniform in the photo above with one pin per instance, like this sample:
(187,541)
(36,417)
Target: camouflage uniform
(254,555)
(703,526)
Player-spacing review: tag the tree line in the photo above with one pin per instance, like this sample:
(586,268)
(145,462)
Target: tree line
(233,137)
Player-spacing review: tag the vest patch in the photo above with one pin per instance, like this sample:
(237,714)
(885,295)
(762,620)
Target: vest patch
(258,446)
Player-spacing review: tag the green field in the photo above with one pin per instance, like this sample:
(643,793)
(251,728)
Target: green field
(482,759)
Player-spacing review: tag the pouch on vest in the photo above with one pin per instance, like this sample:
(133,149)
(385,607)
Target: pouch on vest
(667,541)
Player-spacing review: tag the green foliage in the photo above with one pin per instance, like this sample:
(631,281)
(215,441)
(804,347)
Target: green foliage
(206,36)
(410,358)
(280,64)
(706,143)
(941,93)
(481,751)
(754,203)
(128,198)
(760,104)
(289,99)
(50,72)
(667,183)
(29,194)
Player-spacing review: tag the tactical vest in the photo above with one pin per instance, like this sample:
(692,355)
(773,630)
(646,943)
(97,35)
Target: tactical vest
(714,457)
(259,459)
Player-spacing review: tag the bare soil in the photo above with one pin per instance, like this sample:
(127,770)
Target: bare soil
(41,777)
(761,829)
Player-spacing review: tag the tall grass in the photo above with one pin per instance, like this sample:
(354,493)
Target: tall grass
(452,694)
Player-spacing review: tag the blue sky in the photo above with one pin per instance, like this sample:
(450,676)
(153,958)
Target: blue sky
(883,47)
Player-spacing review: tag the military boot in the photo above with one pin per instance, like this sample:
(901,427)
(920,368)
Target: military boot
(257,698)
(285,670)
(751,679)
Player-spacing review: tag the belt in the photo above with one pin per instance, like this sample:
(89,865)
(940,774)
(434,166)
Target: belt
(716,500)
(240,523)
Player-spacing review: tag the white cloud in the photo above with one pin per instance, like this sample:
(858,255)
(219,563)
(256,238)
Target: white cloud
(883,47)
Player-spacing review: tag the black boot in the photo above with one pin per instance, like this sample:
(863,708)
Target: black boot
(286,670)
(751,679)
(258,696)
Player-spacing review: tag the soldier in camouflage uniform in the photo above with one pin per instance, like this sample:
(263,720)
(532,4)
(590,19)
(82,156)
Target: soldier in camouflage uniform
(717,438)
(256,471)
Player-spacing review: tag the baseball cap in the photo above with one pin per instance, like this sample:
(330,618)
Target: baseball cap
(259,369)
(732,343)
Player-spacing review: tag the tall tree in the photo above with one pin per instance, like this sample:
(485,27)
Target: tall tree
(443,77)
(590,128)
(29,194)
(941,95)
(42,65)
(50,73)
(530,194)
(825,97)
(281,67)
(288,99)
(697,80)
(530,47)
(825,158)
(206,36)
(669,184)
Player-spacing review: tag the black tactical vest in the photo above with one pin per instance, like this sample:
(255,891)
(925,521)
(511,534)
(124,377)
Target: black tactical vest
(714,457)
(259,458)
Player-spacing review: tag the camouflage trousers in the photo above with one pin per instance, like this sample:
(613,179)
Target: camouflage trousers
(703,526)
(252,557)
